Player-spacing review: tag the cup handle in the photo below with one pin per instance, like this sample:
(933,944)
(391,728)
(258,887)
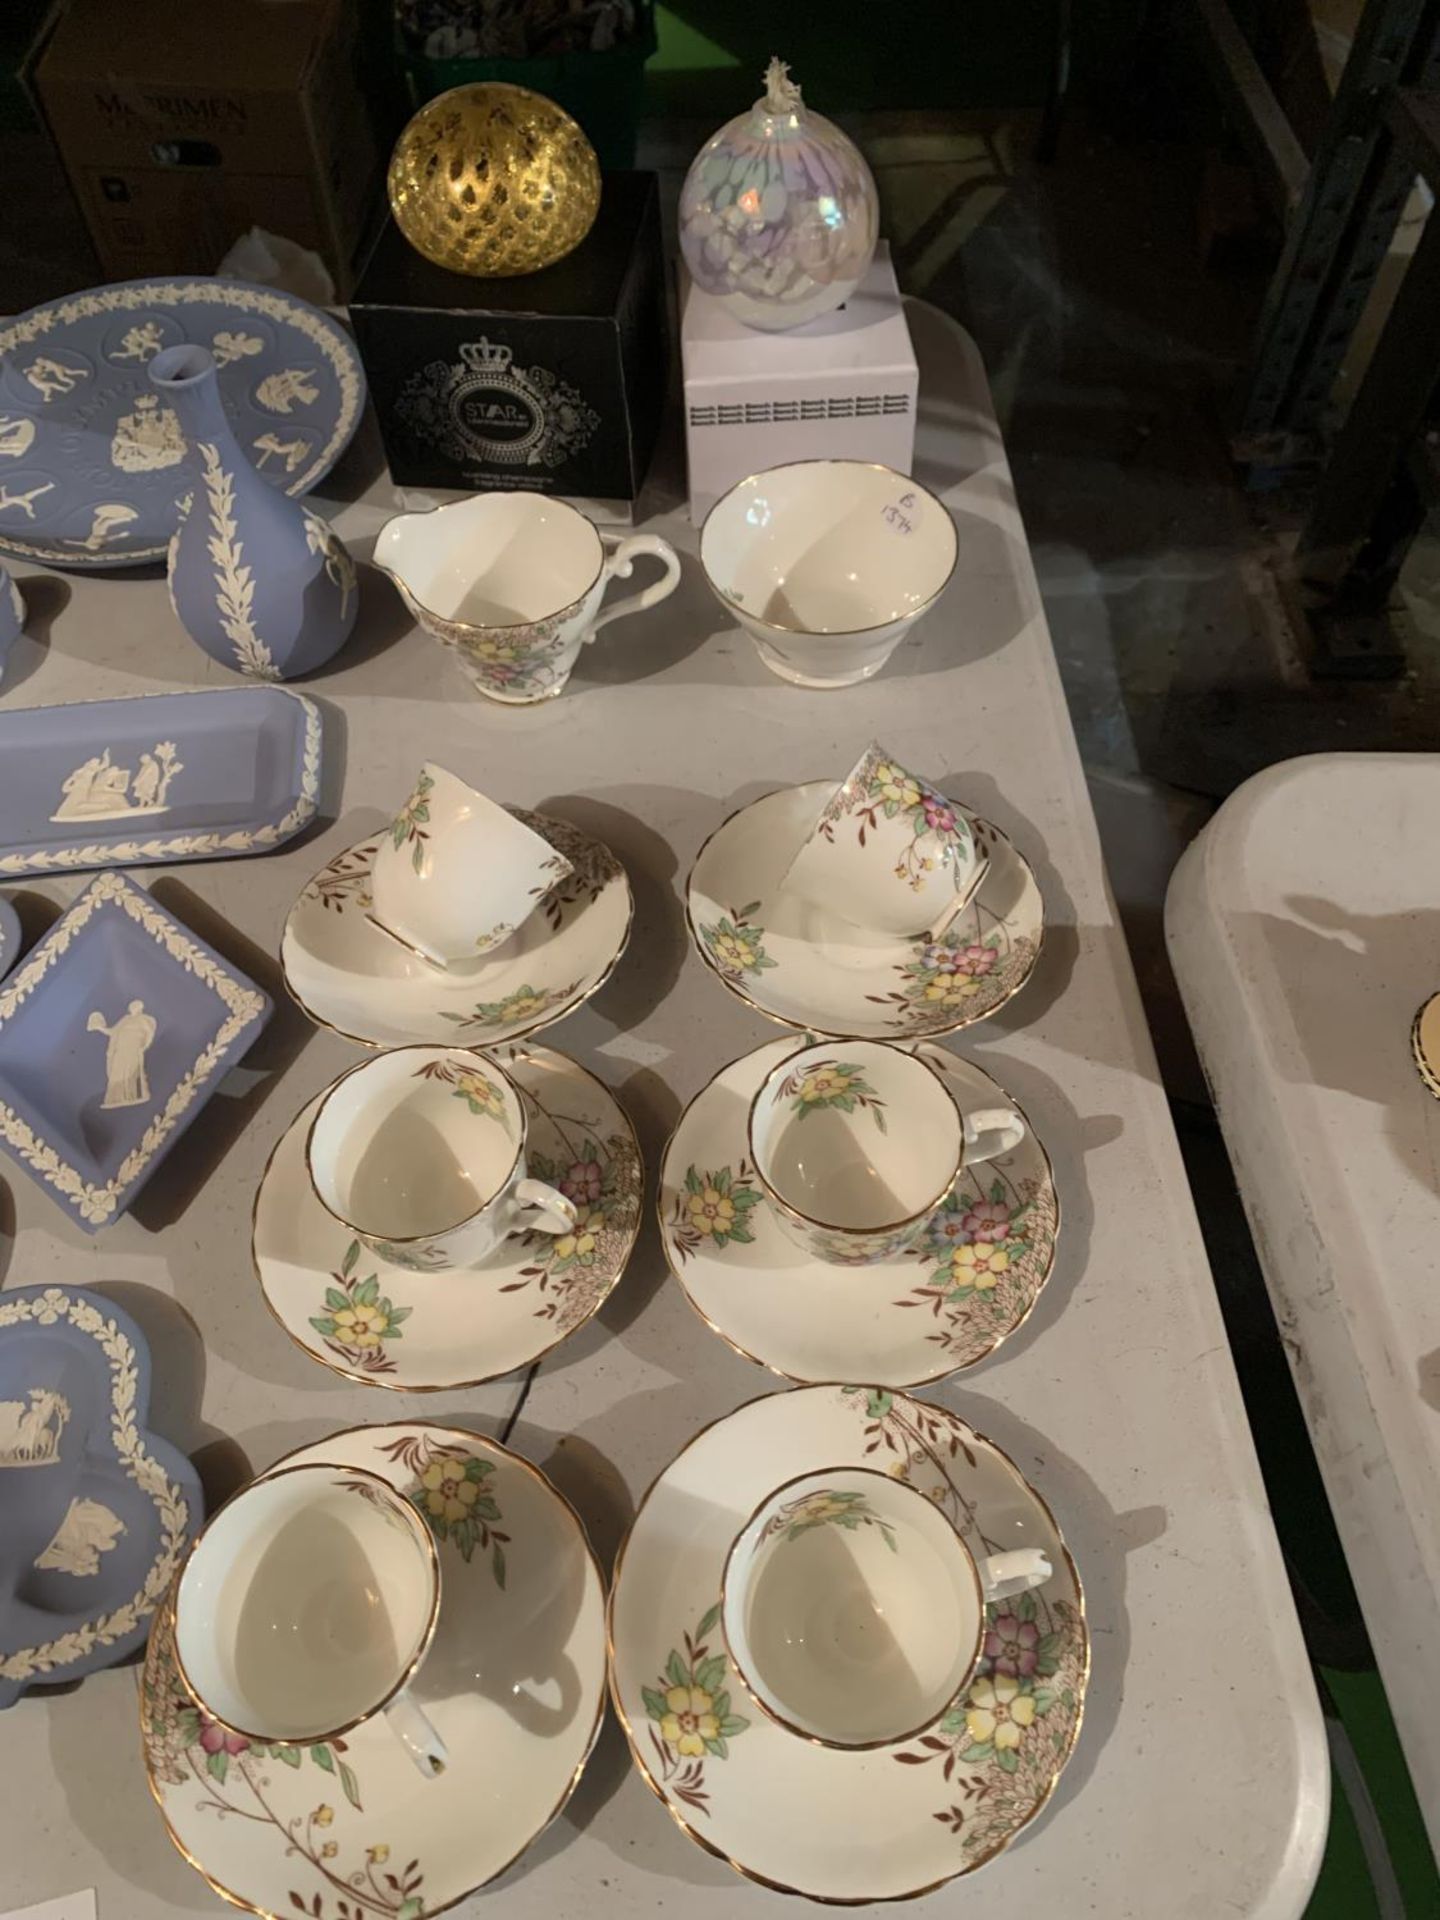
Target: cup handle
(553,1212)
(417,1736)
(990,1133)
(963,898)
(1005,1574)
(620,565)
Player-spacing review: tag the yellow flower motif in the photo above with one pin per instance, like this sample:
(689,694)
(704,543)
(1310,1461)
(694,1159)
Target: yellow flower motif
(690,1721)
(818,1507)
(978,1265)
(950,988)
(524,1006)
(711,1211)
(896,785)
(377,1856)
(449,1495)
(731,951)
(579,1244)
(357,1326)
(323,1816)
(999,1711)
(824,1083)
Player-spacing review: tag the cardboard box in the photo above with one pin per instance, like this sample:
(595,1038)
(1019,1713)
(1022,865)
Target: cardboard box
(841,388)
(552,381)
(181,127)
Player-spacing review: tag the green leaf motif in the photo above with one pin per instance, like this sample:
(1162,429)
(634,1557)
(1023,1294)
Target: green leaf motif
(654,1703)
(217,1765)
(710,1674)
(1008,1759)
(675,1670)
(352,1254)
(709,1621)
(351,1786)
(323,1759)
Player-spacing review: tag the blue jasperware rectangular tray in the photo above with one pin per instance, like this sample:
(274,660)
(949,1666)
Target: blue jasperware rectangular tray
(114,1032)
(163,776)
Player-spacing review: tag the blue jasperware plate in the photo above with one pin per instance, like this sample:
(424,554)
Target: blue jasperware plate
(92,460)
(9,936)
(114,1031)
(95,1511)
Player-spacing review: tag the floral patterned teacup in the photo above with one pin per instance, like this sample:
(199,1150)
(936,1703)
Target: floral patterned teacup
(454,874)
(858,1145)
(853,1609)
(306,1606)
(889,852)
(420,1153)
(827,564)
(513,582)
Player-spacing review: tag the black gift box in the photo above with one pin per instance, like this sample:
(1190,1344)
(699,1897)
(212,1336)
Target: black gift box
(553,381)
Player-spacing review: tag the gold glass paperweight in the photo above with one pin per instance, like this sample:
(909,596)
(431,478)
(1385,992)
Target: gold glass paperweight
(493,180)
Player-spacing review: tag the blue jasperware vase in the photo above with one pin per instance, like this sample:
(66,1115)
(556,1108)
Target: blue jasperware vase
(256,580)
(12,617)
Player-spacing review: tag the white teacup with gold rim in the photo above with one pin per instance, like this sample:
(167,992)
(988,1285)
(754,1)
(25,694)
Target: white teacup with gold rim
(827,564)
(889,851)
(858,1144)
(513,583)
(306,1606)
(420,1154)
(853,1609)
(455,874)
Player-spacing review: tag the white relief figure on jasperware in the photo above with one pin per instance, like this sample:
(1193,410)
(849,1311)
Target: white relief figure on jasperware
(17,435)
(234,346)
(87,1531)
(107,523)
(291,451)
(49,377)
(148,439)
(141,343)
(294,386)
(30,1429)
(320,537)
(99,790)
(126,1044)
(25,501)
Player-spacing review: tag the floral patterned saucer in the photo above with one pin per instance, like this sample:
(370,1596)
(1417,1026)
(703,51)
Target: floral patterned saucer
(417,1332)
(944,1304)
(883,1824)
(514,1682)
(350,976)
(811,970)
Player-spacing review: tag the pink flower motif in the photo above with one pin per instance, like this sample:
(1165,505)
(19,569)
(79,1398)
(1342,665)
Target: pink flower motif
(939,815)
(1010,1645)
(986,1220)
(973,960)
(217,1739)
(583,1182)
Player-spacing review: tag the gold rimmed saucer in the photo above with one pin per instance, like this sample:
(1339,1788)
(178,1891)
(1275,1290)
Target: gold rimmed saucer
(813,971)
(514,1682)
(351,976)
(889,1823)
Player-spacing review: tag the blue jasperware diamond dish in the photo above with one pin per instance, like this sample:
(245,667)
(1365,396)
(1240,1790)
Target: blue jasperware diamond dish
(114,1031)
(95,1511)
